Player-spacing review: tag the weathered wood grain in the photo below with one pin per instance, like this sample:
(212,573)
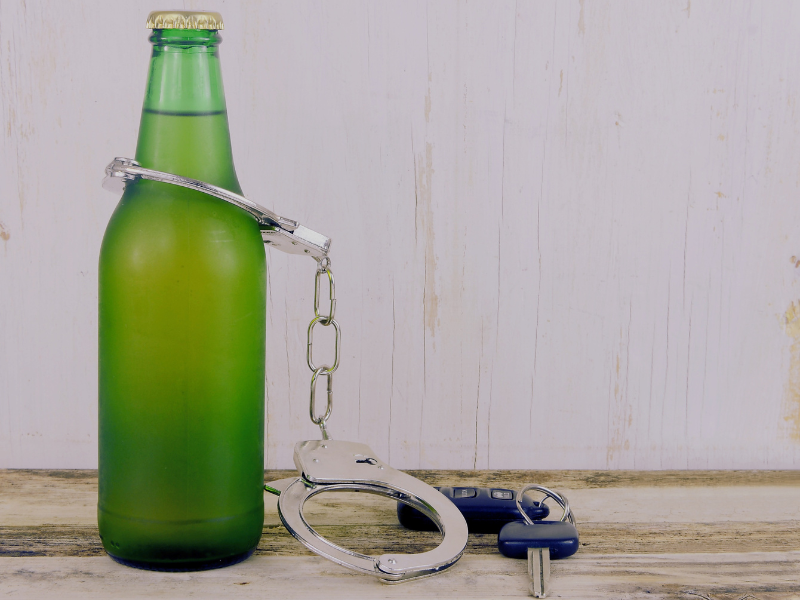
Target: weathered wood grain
(754,576)
(53,513)
(585,479)
(32,498)
(574,478)
(380,538)
(632,546)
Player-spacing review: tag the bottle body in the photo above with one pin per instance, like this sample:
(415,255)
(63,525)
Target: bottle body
(182,310)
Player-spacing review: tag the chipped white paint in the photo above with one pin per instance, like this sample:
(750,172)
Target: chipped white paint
(563,232)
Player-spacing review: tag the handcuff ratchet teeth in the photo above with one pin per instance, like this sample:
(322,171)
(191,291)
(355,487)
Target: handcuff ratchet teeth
(339,466)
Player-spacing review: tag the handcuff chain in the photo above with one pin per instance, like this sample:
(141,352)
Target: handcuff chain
(323,268)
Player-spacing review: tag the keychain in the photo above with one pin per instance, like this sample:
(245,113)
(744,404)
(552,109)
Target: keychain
(540,541)
(328,465)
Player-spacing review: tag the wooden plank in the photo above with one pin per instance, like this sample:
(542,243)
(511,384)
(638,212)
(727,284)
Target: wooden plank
(738,540)
(53,513)
(32,498)
(756,576)
(376,539)
(572,479)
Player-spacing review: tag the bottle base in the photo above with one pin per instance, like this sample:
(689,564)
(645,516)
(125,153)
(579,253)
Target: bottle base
(184,566)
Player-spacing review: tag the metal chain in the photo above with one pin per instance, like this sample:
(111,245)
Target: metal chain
(323,268)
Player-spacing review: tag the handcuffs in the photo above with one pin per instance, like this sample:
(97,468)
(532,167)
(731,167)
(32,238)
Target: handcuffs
(285,234)
(329,465)
(338,466)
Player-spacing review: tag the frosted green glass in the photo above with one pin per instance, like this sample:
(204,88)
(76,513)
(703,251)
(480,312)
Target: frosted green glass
(182,309)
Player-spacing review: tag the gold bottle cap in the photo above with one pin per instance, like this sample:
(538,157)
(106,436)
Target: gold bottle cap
(184,19)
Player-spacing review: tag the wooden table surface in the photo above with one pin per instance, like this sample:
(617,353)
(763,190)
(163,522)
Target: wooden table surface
(665,534)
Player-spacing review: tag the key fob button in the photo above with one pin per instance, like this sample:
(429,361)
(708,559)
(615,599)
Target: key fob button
(485,509)
(502,494)
(464,492)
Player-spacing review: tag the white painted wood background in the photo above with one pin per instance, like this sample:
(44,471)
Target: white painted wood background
(565,234)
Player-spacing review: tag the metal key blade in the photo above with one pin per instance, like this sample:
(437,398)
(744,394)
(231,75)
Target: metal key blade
(539,571)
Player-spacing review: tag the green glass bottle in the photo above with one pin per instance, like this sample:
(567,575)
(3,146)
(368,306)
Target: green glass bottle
(182,313)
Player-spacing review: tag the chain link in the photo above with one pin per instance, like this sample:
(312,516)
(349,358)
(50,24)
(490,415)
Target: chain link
(331,291)
(325,322)
(323,268)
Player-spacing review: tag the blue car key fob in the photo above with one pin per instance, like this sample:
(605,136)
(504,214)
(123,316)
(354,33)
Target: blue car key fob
(561,537)
(486,510)
(540,541)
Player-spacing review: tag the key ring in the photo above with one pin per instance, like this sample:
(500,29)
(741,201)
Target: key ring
(560,498)
(332,465)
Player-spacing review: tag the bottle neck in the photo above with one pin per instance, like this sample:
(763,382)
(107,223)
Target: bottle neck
(185,75)
(184,126)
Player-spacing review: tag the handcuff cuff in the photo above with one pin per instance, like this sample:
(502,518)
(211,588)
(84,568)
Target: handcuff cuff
(328,465)
(339,466)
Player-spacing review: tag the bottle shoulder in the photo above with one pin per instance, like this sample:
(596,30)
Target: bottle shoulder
(158,223)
